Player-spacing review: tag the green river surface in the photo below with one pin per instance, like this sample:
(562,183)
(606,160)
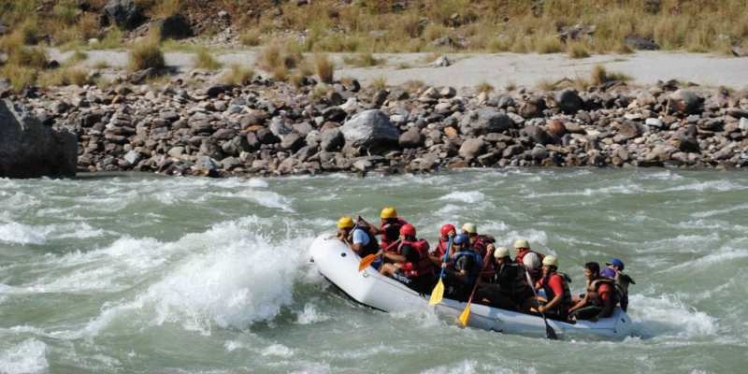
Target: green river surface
(138,273)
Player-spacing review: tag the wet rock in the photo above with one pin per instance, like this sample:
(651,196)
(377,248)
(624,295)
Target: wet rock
(29,149)
(537,134)
(484,121)
(556,128)
(371,130)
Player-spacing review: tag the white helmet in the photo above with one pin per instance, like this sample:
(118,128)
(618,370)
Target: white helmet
(531,261)
(501,252)
(550,261)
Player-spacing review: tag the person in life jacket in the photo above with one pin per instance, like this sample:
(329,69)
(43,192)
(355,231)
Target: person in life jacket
(480,244)
(389,228)
(437,255)
(463,269)
(361,241)
(614,271)
(507,288)
(556,288)
(410,263)
(532,262)
(600,299)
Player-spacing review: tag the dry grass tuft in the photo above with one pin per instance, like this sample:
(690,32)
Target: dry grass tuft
(325,68)
(379,83)
(577,50)
(549,44)
(64,77)
(238,76)
(484,87)
(204,60)
(601,76)
(28,57)
(363,60)
(250,38)
(20,77)
(146,55)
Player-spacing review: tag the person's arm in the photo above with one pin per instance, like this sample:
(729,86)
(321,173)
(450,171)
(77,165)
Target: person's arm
(582,302)
(372,229)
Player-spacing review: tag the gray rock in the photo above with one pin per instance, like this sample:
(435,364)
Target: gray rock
(279,127)
(266,136)
(229,163)
(743,125)
(362,164)
(654,123)
(334,114)
(738,112)
(370,129)
(133,157)
(484,121)
(568,101)
(176,152)
(292,142)
(472,148)
(537,134)
(411,138)
(206,164)
(216,90)
(442,61)
(331,140)
(126,14)
(28,149)
(686,101)
(640,43)
(539,152)
(627,130)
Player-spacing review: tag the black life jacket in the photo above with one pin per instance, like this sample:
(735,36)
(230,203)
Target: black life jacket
(424,266)
(391,231)
(622,282)
(368,249)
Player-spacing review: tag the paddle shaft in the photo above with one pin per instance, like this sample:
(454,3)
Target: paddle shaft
(466,312)
(446,257)
(550,333)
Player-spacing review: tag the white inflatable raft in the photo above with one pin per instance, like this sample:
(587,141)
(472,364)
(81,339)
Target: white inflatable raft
(339,264)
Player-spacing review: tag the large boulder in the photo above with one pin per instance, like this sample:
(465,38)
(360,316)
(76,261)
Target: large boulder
(370,130)
(484,121)
(568,101)
(126,14)
(686,102)
(29,149)
(175,27)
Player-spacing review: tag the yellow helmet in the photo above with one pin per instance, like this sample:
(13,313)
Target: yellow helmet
(521,243)
(345,222)
(550,261)
(469,228)
(501,252)
(388,212)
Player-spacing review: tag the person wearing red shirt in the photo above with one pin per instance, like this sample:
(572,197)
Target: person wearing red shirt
(556,287)
(601,298)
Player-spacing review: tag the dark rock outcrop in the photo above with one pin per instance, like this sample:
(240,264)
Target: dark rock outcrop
(29,149)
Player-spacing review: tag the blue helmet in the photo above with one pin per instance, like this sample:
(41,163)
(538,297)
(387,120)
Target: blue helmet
(462,239)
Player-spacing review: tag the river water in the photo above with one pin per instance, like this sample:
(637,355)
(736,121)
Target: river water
(146,274)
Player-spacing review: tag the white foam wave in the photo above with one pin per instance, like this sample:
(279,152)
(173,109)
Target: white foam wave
(715,185)
(227,276)
(267,199)
(711,213)
(18,233)
(624,189)
(310,315)
(27,357)
(473,366)
(469,197)
(667,315)
(721,256)
(278,350)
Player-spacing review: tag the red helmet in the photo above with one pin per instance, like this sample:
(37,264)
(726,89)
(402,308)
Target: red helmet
(408,230)
(446,229)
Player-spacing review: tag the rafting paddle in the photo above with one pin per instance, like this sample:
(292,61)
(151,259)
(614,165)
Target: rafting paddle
(366,261)
(438,293)
(550,333)
(465,315)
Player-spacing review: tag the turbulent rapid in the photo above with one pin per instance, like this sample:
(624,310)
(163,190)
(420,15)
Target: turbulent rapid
(138,273)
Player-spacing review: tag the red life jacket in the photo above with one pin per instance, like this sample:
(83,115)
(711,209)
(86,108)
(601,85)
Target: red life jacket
(441,248)
(566,301)
(424,266)
(391,232)
(595,287)
(480,245)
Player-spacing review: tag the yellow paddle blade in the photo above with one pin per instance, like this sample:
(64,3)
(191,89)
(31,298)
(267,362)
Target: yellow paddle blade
(465,316)
(366,261)
(437,294)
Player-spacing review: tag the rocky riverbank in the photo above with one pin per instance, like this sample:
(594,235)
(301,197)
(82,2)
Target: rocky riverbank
(270,128)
